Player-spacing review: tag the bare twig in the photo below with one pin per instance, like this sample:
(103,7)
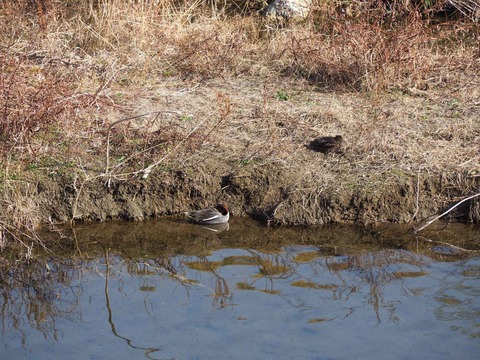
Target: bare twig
(225,109)
(149,168)
(106,83)
(107,162)
(417,196)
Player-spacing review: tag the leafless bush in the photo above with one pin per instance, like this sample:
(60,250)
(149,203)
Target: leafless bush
(33,99)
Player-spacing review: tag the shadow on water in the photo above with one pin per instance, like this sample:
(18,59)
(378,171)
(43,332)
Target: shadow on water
(169,289)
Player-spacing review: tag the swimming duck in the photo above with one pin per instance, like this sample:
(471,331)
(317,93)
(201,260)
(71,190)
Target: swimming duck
(215,215)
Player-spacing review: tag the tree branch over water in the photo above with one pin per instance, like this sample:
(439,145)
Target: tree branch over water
(416,230)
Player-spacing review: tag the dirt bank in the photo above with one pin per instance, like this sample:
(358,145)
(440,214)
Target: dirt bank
(403,158)
(272,192)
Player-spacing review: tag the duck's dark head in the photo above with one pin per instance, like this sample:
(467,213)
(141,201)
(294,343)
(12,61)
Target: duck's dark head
(222,208)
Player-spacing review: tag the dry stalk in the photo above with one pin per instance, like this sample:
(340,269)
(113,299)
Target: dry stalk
(146,172)
(21,236)
(107,161)
(416,230)
(225,109)
(417,195)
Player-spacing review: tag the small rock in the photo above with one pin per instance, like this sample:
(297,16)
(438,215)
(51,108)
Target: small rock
(288,9)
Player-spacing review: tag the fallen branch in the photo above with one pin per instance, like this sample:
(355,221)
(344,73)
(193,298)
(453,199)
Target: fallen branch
(416,230)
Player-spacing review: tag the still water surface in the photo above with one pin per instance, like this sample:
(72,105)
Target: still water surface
(168,290)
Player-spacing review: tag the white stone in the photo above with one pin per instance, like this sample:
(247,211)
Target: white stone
(288,9)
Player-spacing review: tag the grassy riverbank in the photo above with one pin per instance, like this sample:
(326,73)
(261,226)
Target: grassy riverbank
(229,102)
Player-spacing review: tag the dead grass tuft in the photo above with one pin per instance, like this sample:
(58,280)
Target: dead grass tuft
(362,55)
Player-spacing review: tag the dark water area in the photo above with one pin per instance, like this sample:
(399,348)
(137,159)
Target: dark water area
(170,290)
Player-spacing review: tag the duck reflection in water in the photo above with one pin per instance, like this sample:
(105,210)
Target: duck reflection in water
(217,228)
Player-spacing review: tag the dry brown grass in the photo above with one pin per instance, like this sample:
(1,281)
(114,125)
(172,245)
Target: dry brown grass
(220,82)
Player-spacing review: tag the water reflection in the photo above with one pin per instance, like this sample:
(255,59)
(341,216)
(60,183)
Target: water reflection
(457,298)
(175,290)
(129,342)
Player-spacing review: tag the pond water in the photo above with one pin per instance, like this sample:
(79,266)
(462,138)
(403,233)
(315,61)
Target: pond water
(168,290)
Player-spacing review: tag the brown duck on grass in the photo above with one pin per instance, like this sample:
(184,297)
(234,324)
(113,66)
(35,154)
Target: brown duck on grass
(326,144)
